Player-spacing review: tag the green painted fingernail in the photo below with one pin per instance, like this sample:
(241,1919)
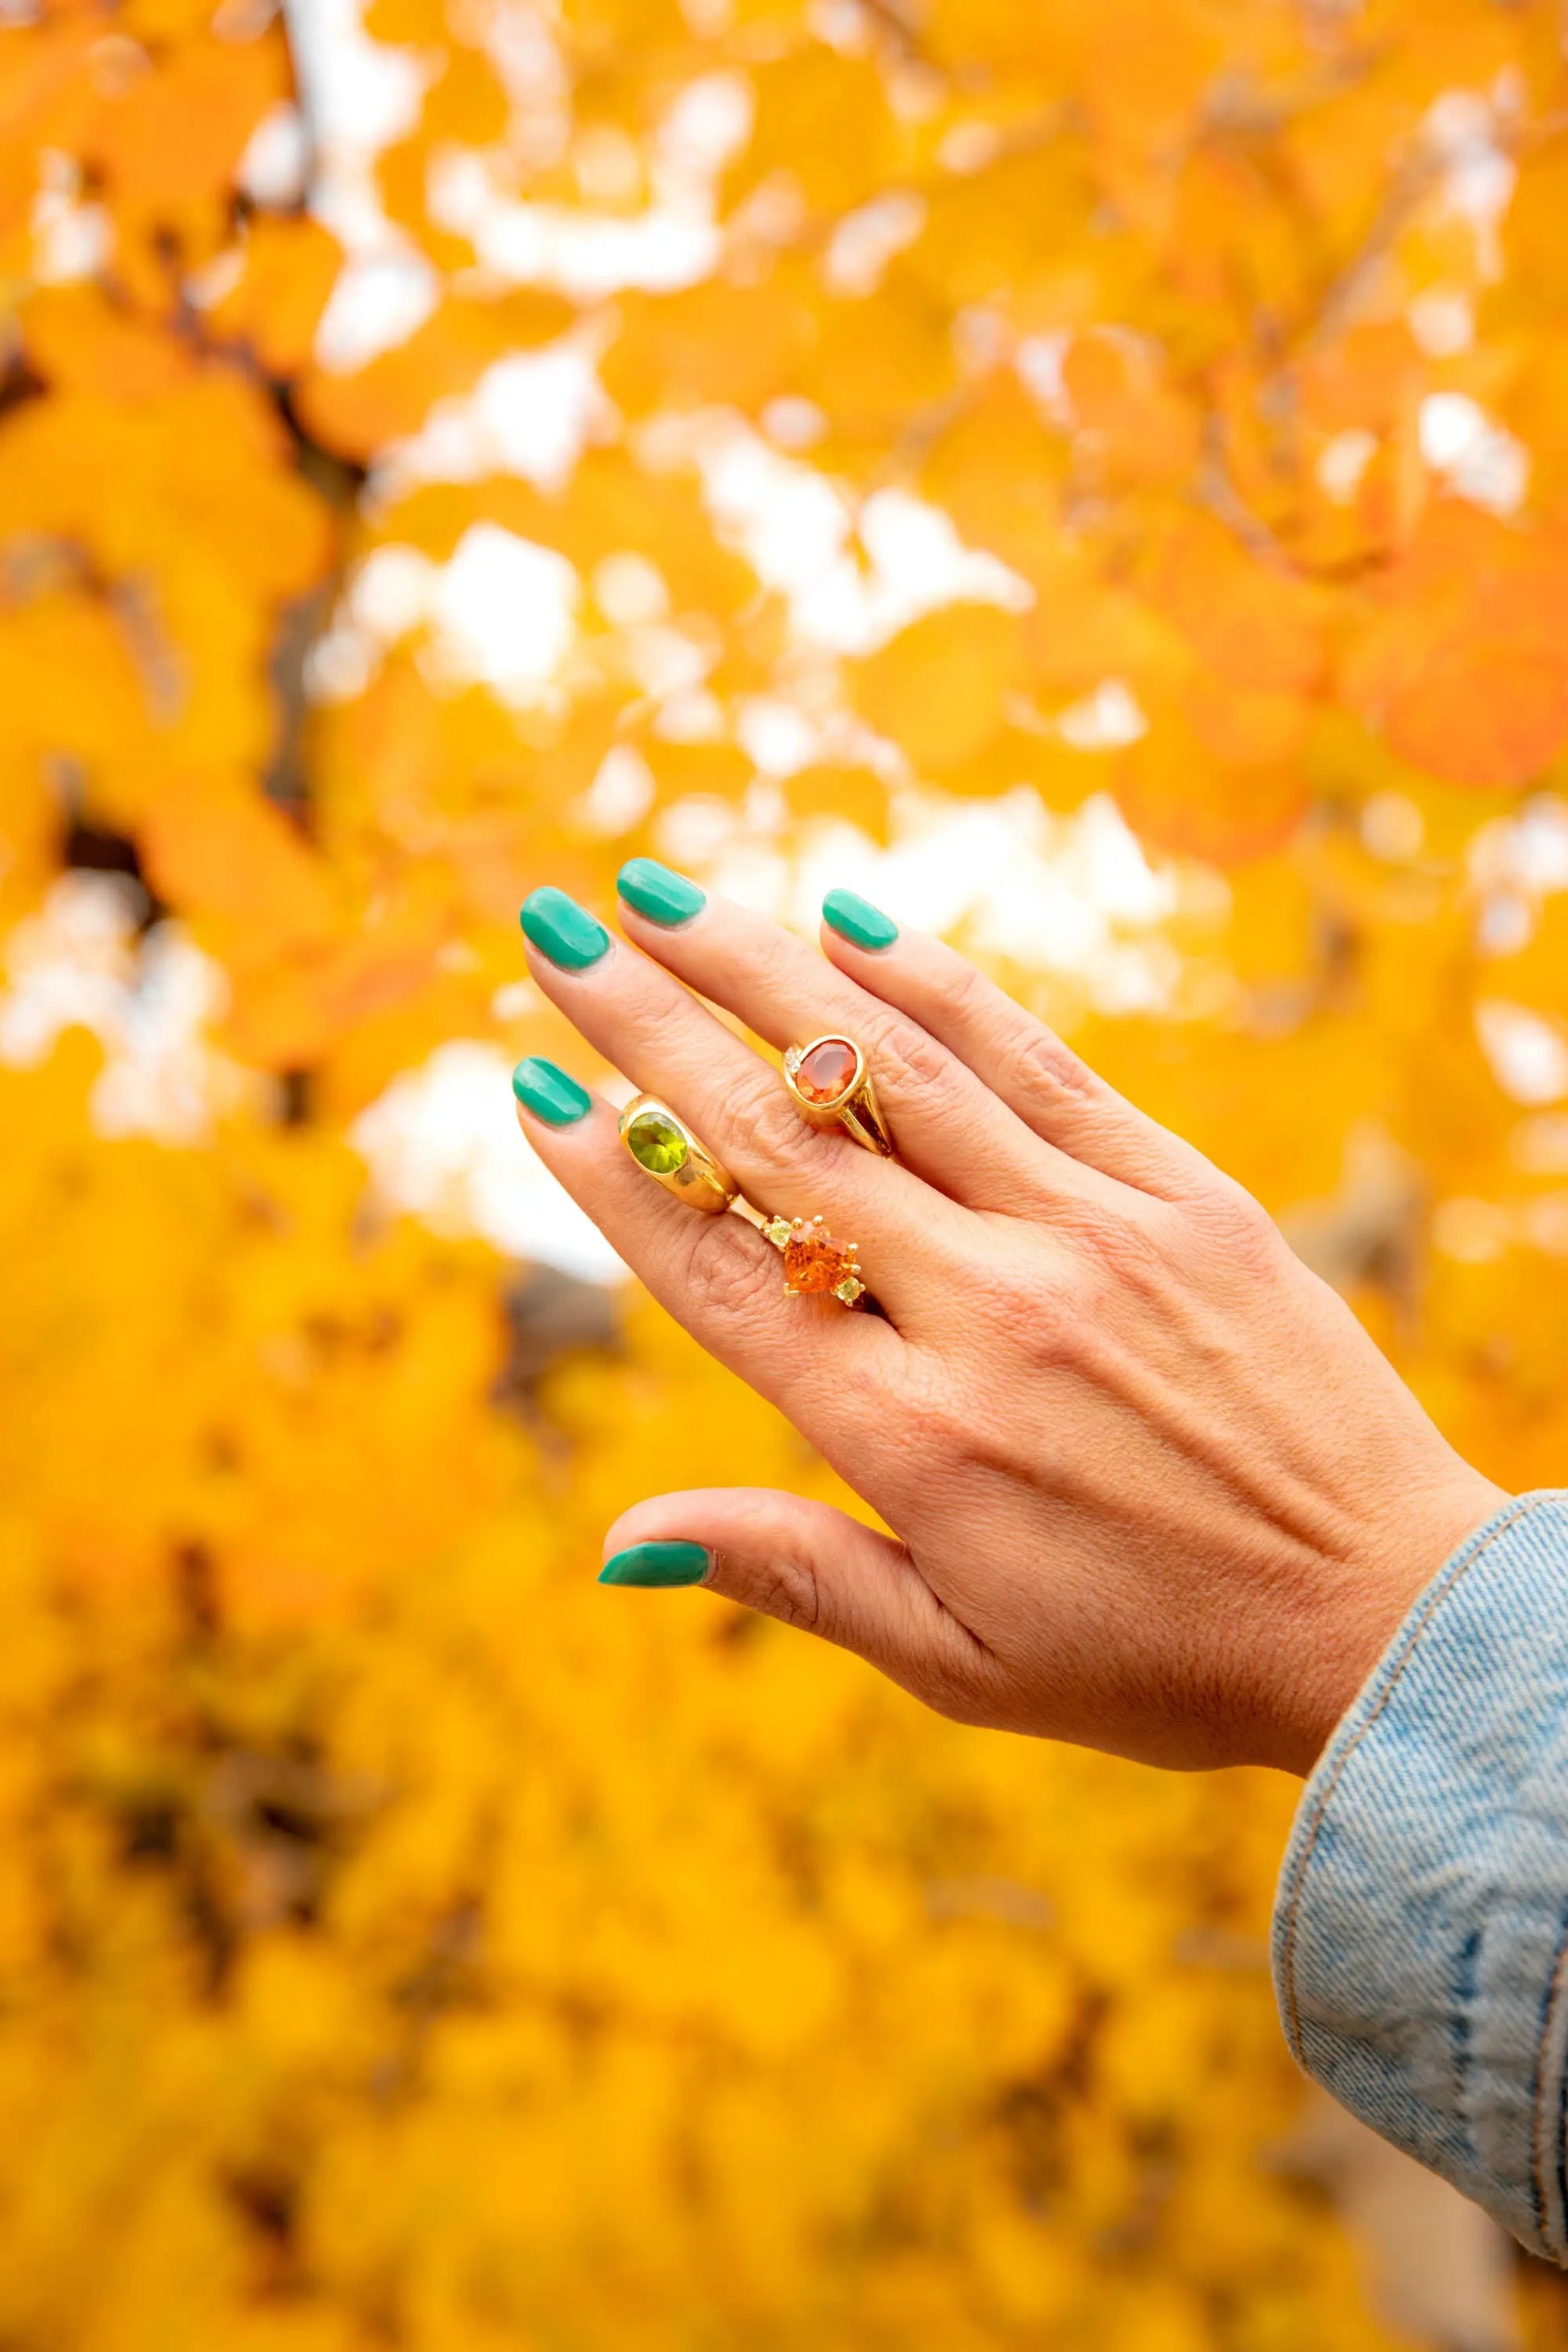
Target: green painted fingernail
(549,1093)
(657,1563)
(562,930)
(663,897)
(856,920)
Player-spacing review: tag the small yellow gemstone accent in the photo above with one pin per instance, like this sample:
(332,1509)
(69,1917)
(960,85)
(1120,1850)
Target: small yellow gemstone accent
(656,1143)
(776,1231)
(848,1290)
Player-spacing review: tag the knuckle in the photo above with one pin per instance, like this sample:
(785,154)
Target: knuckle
(759,956)
(764,1128)
(967,992)
(1122,1244)
(946,1428)
(1025,1311)
(1242,1224)
(1052,1320)
(963,1681)
(1221,1229)
(1069,1331)
(1051,1073)
(912,1055)
(729,1272)
(790,1590)
(1061,1310)
(905,1060)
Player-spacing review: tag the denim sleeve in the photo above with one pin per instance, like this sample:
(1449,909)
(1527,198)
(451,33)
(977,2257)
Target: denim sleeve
(1421,1930)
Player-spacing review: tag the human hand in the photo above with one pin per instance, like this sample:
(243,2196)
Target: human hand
(1153,1488)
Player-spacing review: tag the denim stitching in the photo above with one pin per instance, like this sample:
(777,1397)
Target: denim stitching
(1466,1979)
(1548,2016)
(1434,1601)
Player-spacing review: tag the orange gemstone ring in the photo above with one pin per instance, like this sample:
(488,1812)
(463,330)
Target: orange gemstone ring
(832,1086)
(814,1262)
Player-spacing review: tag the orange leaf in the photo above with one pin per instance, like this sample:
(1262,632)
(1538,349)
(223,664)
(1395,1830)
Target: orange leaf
(1223,814)
(1220,772)
(1250,620)
(1463,660)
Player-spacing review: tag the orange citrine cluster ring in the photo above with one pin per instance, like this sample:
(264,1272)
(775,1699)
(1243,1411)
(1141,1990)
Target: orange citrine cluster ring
(832,1086)
(814,1262)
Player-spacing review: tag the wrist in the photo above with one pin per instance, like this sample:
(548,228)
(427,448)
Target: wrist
(1406,1549)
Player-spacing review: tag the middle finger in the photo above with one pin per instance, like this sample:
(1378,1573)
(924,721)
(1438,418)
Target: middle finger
(947,1123)
(641,1019)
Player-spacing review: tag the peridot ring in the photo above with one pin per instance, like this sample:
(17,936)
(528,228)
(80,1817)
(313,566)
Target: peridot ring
(665,1149)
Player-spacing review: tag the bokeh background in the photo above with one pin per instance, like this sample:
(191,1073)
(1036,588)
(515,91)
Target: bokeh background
(1088,473)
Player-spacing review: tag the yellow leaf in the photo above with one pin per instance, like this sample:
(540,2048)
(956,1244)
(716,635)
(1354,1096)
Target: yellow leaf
(393,395)
(276,304)
(937,689)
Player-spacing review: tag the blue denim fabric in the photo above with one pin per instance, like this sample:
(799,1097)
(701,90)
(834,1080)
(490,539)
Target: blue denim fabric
(1421,1931)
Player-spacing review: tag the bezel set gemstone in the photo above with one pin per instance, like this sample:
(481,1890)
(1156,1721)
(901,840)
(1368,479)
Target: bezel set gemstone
(827,1073)
(656,1143)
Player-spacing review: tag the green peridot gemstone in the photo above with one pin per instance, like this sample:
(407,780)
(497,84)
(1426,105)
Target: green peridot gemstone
(656,1143)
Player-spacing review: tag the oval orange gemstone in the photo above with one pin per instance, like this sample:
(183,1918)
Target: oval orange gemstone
(813,1261)
(827,1070)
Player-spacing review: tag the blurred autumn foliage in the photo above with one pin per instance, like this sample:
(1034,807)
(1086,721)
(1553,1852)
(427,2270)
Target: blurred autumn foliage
(756,434)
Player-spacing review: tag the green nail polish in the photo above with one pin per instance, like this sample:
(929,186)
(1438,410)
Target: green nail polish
(562,930)
(549,1093)
(657,1563)
(856,920)
(654,891)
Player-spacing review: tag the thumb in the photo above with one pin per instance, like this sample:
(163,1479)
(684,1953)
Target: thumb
(810,1566)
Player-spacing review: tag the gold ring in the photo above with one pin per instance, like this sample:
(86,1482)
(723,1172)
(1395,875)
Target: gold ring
(665,1147)
(832,1086)
(814,1262)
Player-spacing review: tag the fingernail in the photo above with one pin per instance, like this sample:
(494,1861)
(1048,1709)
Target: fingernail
(856,920)
(657,1563)
(562,930)
(663,897)
(549,1093)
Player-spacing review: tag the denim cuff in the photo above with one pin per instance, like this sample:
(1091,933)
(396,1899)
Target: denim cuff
(1420,1940)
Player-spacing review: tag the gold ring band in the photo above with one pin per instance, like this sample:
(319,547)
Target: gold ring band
(832,1086)
(665,1149)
